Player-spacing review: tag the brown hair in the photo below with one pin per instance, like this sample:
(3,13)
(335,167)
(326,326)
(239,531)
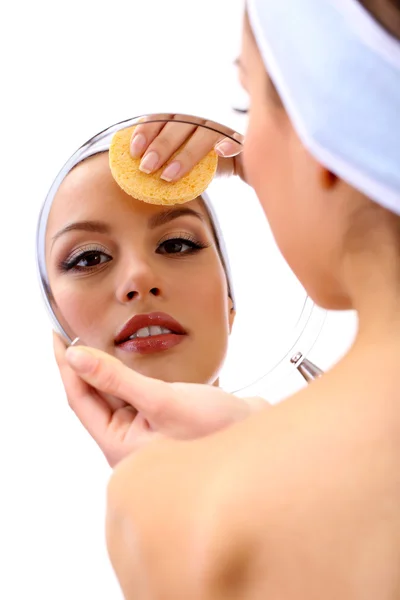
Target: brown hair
(386,13)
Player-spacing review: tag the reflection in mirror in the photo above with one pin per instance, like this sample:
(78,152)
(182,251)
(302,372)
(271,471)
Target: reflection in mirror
(174,291)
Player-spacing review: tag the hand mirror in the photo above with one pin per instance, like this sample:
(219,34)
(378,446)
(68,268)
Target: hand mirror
(195,292)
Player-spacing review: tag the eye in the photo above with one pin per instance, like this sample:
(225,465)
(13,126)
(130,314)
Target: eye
(180,245)
(85,260)
(91,258)
(242,111)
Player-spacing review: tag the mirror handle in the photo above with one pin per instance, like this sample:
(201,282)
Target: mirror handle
(306,368)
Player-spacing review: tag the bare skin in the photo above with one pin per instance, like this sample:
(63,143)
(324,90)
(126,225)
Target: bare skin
(120,266)
(301,501)
(132,268)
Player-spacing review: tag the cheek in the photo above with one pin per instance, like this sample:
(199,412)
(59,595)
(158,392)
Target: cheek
(267,167)
(81,314)
(204,293)
(264,160)
(210,322)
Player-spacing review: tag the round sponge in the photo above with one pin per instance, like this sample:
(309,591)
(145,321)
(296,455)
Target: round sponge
(150,188)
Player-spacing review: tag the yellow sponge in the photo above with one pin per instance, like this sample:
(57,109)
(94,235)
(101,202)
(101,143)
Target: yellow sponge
(150,188)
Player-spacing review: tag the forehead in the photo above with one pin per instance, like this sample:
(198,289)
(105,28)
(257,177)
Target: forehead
(250,59)
(89,191)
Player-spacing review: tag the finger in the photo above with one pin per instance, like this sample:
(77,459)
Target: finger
(60,347)
(227,148)
(229,152)
(114,430)
(226,167)
(91,409)
(168,141)
(140,433)
(239,167)
(143,135)
(199,145)
(256,403)
(96,413)
(231,166)
(150,397)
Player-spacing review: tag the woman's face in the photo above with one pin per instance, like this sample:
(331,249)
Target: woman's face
(118,266)
(294,190)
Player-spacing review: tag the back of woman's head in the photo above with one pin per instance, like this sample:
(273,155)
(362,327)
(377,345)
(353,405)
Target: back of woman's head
(323,150)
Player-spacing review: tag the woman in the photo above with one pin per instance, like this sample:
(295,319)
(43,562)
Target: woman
(149,285)
(111,258)
(301,501)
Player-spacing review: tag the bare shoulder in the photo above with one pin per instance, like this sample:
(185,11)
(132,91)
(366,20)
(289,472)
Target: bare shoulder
(300,500)
(314,494)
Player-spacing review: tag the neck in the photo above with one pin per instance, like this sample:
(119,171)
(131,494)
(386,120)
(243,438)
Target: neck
(372,279)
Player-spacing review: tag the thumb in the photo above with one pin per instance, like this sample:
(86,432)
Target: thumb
(151,397)
(257,403)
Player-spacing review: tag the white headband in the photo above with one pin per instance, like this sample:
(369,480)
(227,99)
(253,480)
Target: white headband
(338,74)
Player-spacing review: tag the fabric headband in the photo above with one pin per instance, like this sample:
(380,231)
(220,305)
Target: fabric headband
(338,74)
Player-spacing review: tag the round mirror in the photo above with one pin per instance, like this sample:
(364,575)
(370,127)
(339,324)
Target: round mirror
(194,291)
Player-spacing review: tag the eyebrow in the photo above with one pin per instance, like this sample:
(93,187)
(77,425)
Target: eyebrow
(156,220)
(91,226)
(166,216)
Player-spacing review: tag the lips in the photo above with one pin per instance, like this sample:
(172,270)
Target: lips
(153,332)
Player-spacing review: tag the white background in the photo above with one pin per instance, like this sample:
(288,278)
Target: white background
(68,70)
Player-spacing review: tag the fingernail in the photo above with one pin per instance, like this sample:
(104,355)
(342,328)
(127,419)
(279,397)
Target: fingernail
(59,343)
(227,149)
(149,162)
(80,359)
(171,171)
(138,144)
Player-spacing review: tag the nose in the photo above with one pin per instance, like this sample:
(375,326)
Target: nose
(137,280)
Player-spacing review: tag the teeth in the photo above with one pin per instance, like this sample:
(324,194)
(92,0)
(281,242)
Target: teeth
(155,330)
(149,331)
(160,330)
(144,332)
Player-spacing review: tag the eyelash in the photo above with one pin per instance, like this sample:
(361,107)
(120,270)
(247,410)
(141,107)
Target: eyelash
(242,111)
(71,262)
(195,245)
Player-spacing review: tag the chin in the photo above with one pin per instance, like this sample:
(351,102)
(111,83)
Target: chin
(170,375)
(174,366)
(162,368)
(322,287)
(329,299)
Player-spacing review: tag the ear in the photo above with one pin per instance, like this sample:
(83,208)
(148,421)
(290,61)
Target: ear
(328,180)
(232,314)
